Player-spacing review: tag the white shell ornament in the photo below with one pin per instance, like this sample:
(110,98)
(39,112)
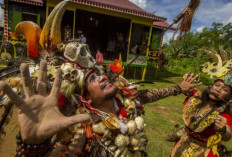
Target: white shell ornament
(139,122)
(130,105)
(132,127)
(134,141)
(99,128)
(121,140)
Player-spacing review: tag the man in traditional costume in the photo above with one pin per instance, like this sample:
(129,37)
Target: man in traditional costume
(115,127)
(206,114)
(83,113)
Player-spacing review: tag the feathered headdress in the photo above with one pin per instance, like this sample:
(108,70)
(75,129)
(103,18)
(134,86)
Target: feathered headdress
(221,67)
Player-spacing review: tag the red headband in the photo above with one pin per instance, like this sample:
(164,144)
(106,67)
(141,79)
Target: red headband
(219,80)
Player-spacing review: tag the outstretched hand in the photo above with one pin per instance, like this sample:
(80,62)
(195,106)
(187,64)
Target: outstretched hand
(38,115)
(188,82)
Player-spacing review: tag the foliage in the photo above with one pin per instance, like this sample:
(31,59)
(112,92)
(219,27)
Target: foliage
(187,54)
(190,43)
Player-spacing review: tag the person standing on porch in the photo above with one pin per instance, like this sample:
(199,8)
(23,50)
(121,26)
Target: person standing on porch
(99,57)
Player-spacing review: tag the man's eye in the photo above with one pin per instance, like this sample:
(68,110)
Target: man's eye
(98,73)
(91,79)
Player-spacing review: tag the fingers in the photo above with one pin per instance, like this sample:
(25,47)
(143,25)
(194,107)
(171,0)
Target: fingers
(190,77)
(12,95)
(185,76)
(194,78)
(42,78)
(220,122)
(61,122)
(68,121)
(57,83)
(25,75)
(198,84)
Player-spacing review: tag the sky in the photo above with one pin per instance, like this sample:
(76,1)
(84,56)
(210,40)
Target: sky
(209,11)
(1,14)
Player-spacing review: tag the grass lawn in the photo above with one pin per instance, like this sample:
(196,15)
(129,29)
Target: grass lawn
(161,116)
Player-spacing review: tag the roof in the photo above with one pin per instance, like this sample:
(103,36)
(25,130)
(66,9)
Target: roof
(32,2)
(123,6)
(162,25)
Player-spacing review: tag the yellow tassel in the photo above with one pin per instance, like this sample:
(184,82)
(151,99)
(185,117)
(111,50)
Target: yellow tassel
(213,141)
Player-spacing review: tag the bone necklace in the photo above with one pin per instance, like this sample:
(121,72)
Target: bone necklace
(110,120)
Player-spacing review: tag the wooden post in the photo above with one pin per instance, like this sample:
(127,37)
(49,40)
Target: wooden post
(74,23)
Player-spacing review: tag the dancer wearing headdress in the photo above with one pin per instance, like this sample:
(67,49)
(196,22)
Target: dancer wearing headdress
(206,114)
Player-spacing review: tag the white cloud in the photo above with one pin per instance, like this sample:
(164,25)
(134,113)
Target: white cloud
(213,11)
(1,17)
(168,36)
(166,8)
(140,3)
(228,20)
(200,29)
(209,11)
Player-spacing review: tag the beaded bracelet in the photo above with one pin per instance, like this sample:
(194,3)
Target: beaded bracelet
(178,90)
(26,150)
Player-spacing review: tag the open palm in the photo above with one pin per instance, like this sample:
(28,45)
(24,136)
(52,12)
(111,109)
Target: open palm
(38,115)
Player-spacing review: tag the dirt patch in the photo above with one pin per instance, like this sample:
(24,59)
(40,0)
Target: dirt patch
(8,145)
(166,110)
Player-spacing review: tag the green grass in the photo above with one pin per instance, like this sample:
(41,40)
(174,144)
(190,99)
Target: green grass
(161,115)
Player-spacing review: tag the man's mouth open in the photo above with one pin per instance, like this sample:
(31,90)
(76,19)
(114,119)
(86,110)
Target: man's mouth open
(105,84)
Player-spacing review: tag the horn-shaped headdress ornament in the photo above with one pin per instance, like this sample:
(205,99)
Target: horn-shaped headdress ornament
(37,39)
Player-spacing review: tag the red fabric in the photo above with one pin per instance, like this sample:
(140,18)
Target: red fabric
(128,91)
(140,107)
(122,111)
(193,93)
(61,100)
(228,117)
(211,154)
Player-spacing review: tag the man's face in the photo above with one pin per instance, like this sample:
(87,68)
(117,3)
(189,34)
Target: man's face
(99,87)
(220,89)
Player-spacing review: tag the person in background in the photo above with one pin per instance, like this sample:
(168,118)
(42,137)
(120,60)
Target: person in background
(83,39)
(99,57)
(111,48)
(135,50)
(120,46)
